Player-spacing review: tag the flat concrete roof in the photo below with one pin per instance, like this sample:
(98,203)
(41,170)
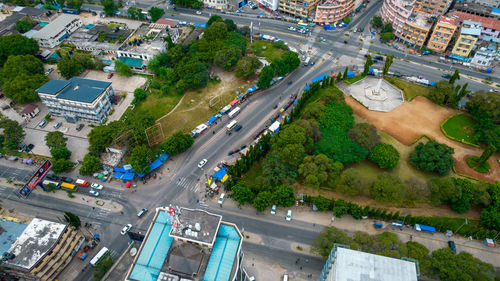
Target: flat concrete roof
(351,265)
(208,226)
(33,244)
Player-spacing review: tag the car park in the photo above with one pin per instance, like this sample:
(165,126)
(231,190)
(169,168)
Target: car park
(21,148)
(43,124)
(202,163)
(96,186)
(288,215)
(79,127)
(126,229)
(142,212)
(94,193)
(273,210)
(57,125)
(221,198)
(29,147)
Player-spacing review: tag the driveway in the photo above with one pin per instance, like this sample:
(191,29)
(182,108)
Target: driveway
(76,144)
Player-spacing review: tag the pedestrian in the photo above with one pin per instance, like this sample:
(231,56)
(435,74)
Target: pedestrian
(301,268)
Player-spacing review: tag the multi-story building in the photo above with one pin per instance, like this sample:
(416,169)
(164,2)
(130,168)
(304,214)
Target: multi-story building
(330,11)
(466,41)
(269,5)
(483,8)
(87,38)
(443,33)
(78,99)
(298,8)
(485,56)
(435,7)
(188,244)
(53,33)
(216,4)
(416,29)
(490,27)
(397,12)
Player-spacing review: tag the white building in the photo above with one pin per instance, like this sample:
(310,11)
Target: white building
(485,56)
(216,4)
(269,4)
(53,33)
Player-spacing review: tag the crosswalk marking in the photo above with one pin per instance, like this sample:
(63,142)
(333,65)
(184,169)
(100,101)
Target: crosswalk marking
(188,183)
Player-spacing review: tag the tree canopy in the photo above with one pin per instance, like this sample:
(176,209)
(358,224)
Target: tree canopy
(16,44)
(246,66)
(54,139)
(262,201)
(318,169)
(432,157)
(242,193)
(364,134)
(156,13)
(140,158)
(22,75)
(387,188)
(123,69)
(109,7)
(384,155)
(177,143)
(13,133)
(90,164)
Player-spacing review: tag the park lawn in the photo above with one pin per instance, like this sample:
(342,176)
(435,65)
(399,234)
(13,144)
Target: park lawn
(354,79)
(410,90)
(269,52)
(461,128)
(157,104)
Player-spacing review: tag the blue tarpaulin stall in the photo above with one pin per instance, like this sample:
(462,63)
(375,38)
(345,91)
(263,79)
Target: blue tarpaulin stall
(211,120)
(306,88)
(157,163)
(119,169)
(350,74)
(219,175)
(459,58)
(252,89)
(124,176)
(319,78)
(421,227)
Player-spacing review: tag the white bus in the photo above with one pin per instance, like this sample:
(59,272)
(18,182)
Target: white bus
(306,62)
(234,112)
(231,125)
(103,253)
(47,182)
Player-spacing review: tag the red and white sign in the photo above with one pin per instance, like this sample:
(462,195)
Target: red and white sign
(35,179)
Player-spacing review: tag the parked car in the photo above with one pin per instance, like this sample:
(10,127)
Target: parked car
(29,147)
(94,193)
(96,186)
(79,127)
(198,12)
(142,212)
(288,215)
(110,75)
(43,124)
(202,163)
(221,198)
(126,229)
(446,76)
(237,128)
(379,58)
(57,125)
(21,148)
(273,210)
(68,180)
(49,71)
(452,246)
(12,158)
(53,177)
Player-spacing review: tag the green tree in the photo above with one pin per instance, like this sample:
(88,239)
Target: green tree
(177,143)
(280,68)
(140,158)
(72,219)
(441,92)
(368,63)
(214,18)
(283,196)
(246,67)
(454,77)
(102,36)
(133,12)
(102,267)
(339,76)
(231,26)
(265,77)
(387,36)
(242,193)
(227,57)
(364,134)
(447,266)
(24,25)
(262,201)
(432,157)
(345,73)
(387,27)
(55,139)
(340,208)
(69,67)
(377,21)
(61,166)
(350,183)
(387,188)
(324,242)
(139,95)
(109,7)
(75,4)
(216,31)
(90,164)
(384,155)
(60,152)
(16,44)
(21,75)
(387,65)
(99,138)
(317,169)
(123,69)
(13,133)
(275,171)
(291,59)
(156,13)
(490,150)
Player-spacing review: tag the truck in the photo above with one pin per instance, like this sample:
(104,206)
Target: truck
(82,182)
(377,225)
(306,62)
(234,112)
(421,227)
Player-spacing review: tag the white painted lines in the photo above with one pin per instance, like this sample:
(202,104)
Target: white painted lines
(188,183)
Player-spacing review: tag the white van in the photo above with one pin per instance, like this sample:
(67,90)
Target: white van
(231,125)
(234,112)
(285,277)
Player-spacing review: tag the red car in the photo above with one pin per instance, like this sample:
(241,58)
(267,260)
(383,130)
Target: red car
(110,75)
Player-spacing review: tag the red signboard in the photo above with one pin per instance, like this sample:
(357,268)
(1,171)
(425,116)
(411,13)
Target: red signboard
(35,179)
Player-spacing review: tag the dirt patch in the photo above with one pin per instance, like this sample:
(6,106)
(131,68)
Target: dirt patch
(422,117)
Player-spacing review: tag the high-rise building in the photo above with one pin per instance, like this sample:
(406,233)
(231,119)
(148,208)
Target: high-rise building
(397,12)
(443,33)
(466,42)
(330,11)
(298,8)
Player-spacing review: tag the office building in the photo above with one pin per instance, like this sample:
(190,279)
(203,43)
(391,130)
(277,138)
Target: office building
(330,11)
(466,41)
(442,34)
(298,8)
(187,244)
(56,31)
(78,99)
(344,264)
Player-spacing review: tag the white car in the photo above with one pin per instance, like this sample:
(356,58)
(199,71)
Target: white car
(198,12)
(221,198)
(126,229)
(288,215)
(202,163)
(94,193)
(273,210)
(96,186)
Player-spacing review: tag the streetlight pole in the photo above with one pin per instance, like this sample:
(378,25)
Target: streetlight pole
(466,222)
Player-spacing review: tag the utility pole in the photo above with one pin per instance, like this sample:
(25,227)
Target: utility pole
(251,32)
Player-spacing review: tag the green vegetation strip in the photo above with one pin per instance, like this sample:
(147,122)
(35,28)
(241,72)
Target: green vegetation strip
(410,90)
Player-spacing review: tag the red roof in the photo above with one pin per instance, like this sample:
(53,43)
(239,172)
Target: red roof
(485,22)
(29,108)
(166,22)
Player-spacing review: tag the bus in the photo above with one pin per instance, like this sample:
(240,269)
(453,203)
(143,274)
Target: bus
(302,25)
(103,253)
(69,186)
(231,125)
(306,62)
(234,112)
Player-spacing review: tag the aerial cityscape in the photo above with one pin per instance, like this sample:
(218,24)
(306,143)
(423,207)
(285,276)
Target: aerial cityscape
(250,140)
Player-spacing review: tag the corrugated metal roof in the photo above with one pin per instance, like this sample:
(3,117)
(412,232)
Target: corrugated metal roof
(55,26)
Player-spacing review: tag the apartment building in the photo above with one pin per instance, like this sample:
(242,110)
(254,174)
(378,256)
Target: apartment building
(78,99)
(485,56)
(416,29)
(56,31)
(330,11)
(443,33)
(397,12)
(490,27)
(435,7)
(469,34)
(216,4)
(298,8)
(269,5)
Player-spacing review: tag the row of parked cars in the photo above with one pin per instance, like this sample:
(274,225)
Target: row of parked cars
(57,125)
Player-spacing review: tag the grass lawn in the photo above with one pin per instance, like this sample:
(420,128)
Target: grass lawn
(410,90)
(158,104)
(354,79)
(266,49)
(249,179)
(461,128)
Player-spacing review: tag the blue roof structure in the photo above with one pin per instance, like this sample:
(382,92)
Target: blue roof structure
(75,89)
(12,230)
(223,254)
(251,89)
(211,120)
(319,78)
(219,175)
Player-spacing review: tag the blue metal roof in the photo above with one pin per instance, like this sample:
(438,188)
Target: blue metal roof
(319,78)
(12,230)
(223,254)
(75,89)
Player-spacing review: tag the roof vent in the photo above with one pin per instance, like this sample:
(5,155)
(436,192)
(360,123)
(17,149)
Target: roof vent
(197,226)
(75,88)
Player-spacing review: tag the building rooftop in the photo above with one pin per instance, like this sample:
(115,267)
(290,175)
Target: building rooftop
(197,226)
(485,22)
(145,40)
(9,231)
(194,35)
(351,265)
(32,12)
(474,8)
(8,25)
(35,242)
(165,22)
(29,108)
(54,27)
(471,28)
(75,89)
(449,20)
(420,20)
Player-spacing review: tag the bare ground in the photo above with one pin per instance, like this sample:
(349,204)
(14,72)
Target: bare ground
(422,117)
